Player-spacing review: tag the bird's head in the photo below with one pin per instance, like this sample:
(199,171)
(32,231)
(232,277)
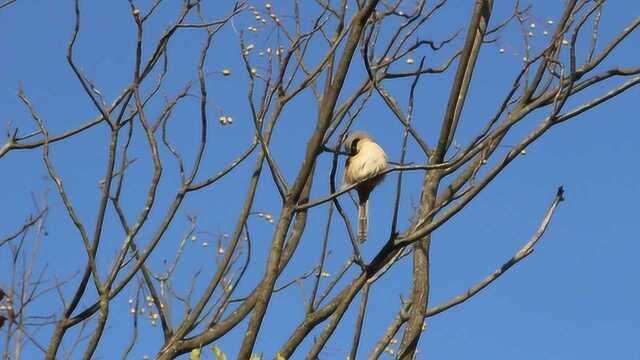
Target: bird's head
(354,140)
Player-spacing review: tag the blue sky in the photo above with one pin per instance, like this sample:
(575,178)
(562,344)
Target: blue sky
(576,297)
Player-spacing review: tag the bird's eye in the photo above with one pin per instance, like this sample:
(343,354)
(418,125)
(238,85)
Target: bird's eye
(354,147)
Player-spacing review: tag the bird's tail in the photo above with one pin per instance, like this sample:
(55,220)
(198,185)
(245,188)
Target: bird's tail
(363,220)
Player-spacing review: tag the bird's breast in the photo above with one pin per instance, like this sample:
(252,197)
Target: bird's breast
(369,160)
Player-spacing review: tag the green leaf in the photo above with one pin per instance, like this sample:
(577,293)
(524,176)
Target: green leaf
(218,352)
(195,354)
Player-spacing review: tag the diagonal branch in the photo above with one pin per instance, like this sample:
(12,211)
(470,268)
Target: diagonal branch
(462,80)
(525,251)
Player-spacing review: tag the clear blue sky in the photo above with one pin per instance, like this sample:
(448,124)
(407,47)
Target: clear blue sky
(576,297)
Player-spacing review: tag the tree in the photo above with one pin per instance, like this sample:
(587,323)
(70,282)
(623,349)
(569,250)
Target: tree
(157,137)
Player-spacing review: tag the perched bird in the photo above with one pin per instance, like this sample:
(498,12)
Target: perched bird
(366,159)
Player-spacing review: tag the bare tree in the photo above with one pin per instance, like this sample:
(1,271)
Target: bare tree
(345,55)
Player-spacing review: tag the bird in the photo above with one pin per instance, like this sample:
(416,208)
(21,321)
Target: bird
(365,160)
